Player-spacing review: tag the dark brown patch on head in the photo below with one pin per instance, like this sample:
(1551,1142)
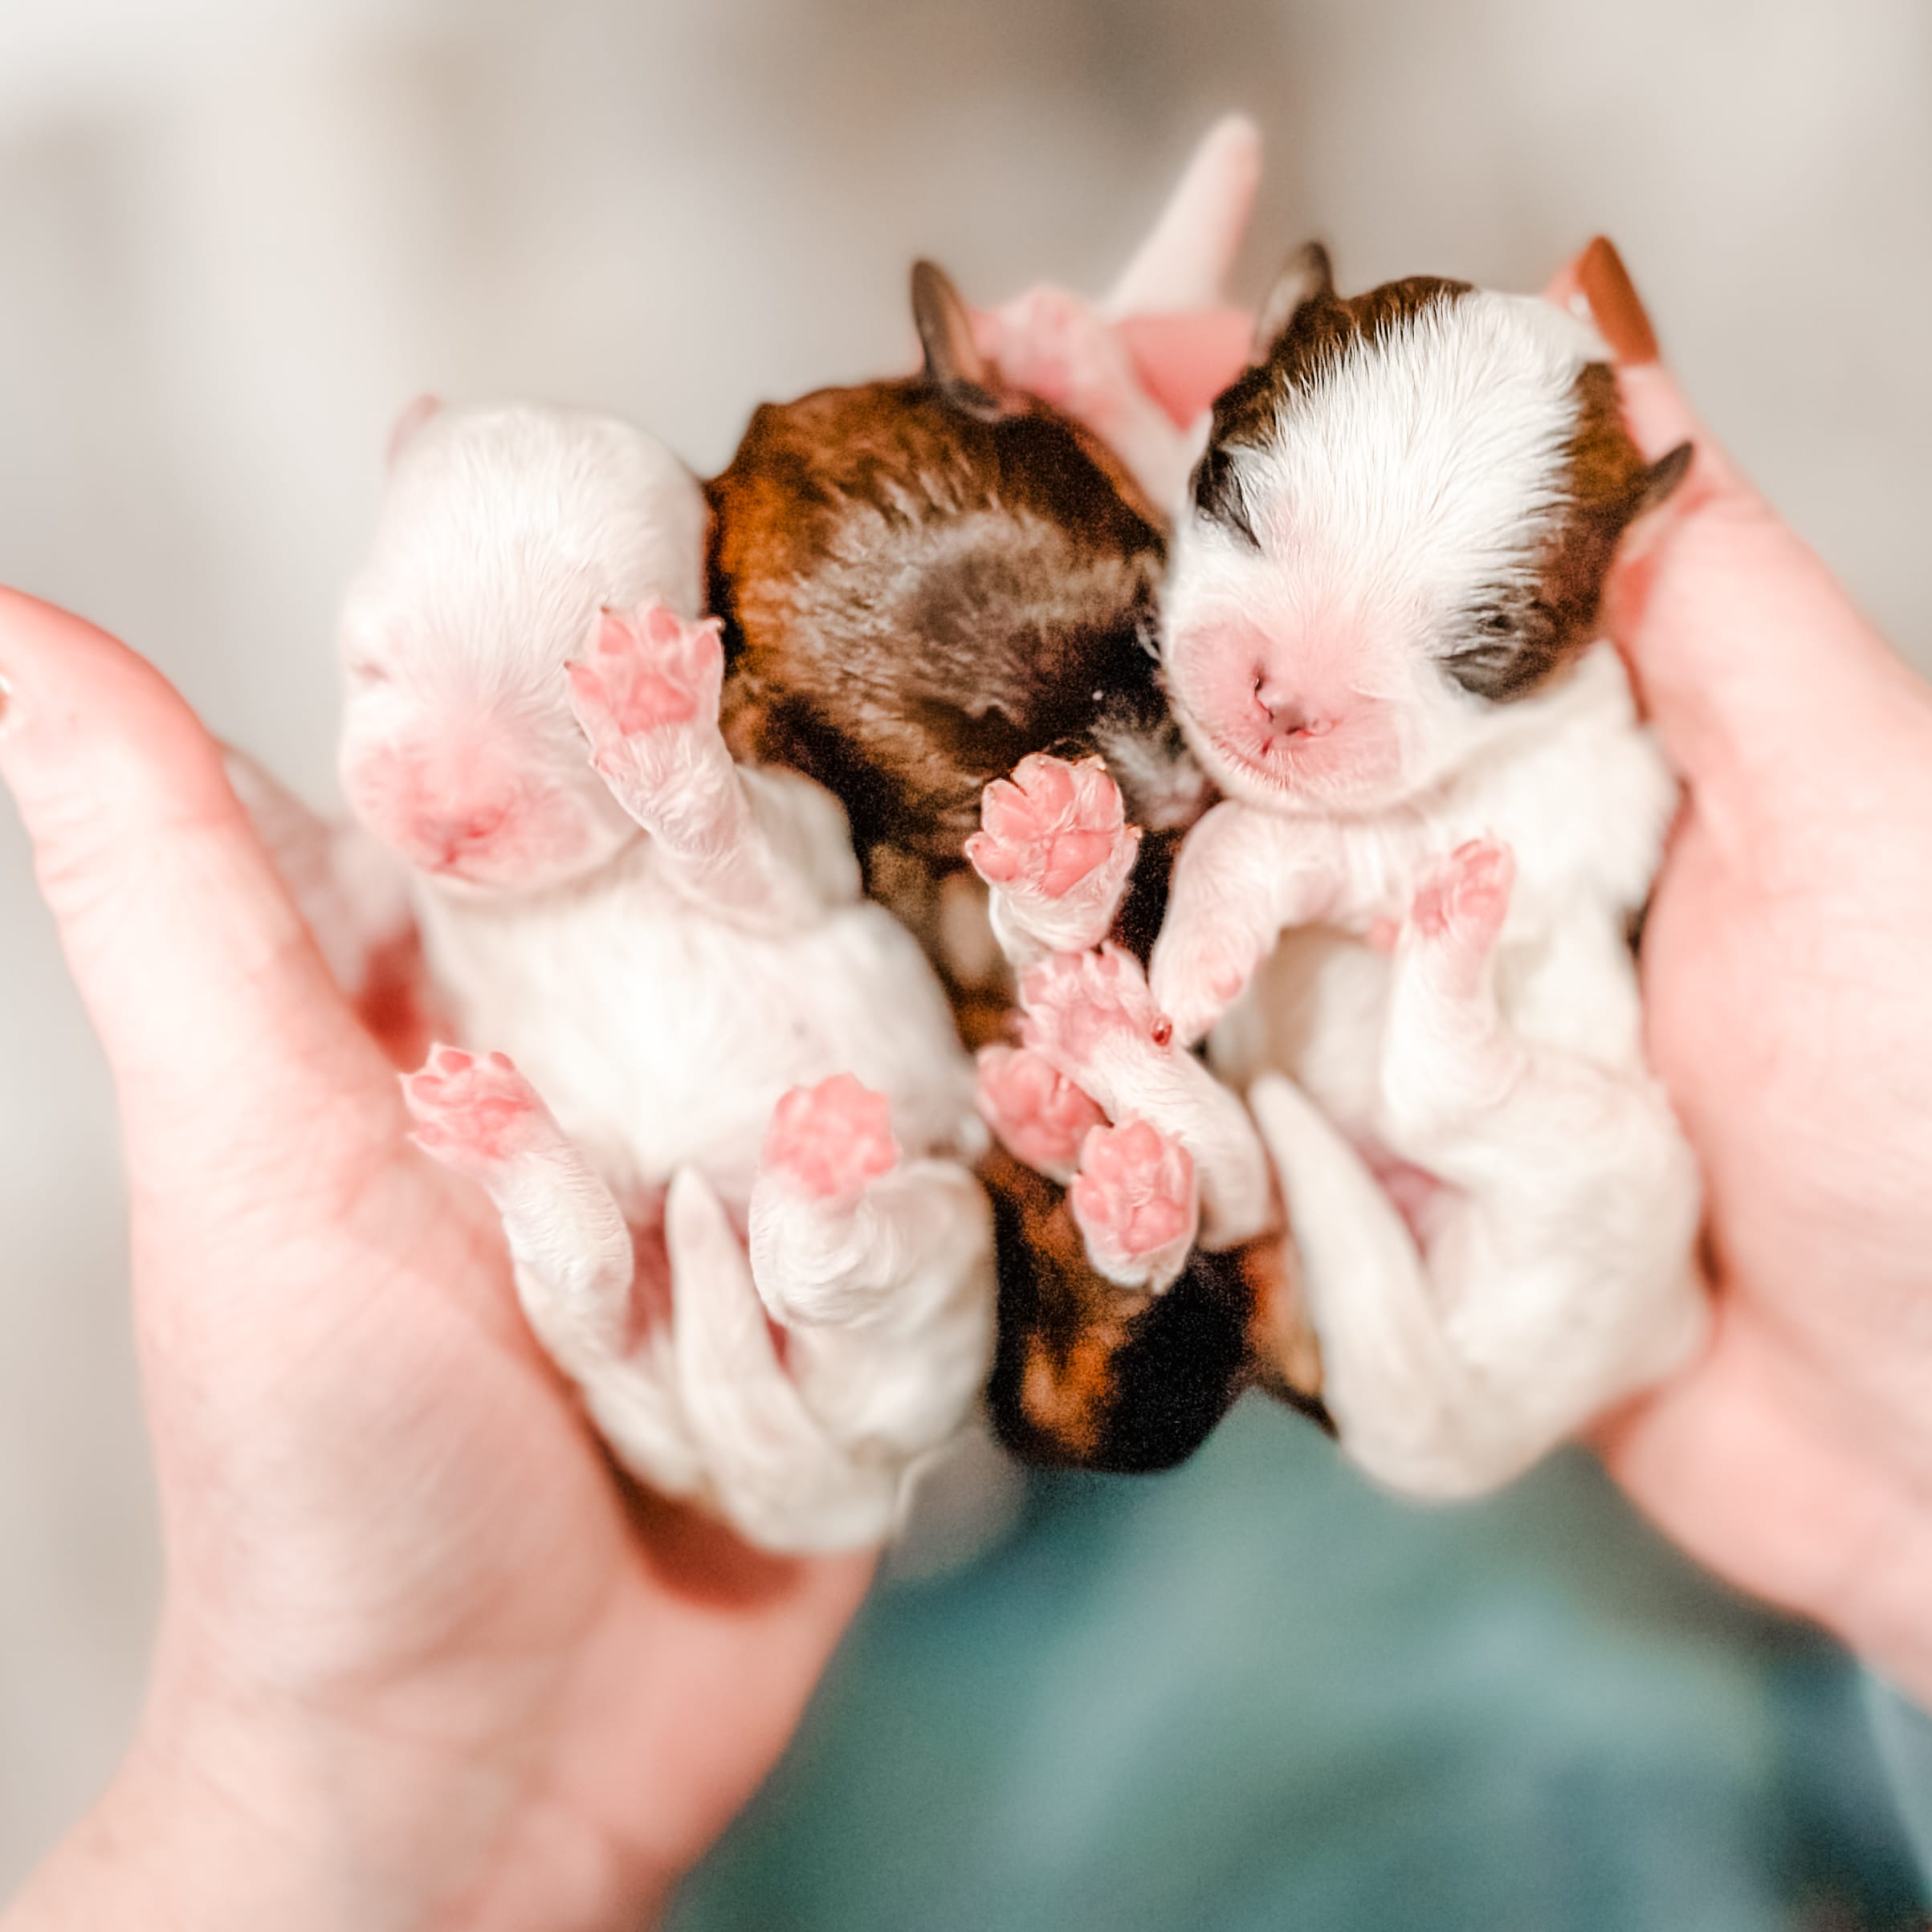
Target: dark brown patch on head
(918,592)
(1316,332)
(1517,639)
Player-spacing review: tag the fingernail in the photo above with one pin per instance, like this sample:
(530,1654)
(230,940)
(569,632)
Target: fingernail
(1614,307)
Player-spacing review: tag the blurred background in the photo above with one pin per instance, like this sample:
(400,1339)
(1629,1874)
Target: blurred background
(236,234)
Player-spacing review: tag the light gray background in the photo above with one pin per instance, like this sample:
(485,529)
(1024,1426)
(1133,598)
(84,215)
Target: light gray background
(236,234)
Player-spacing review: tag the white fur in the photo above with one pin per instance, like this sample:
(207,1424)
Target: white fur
(1553,1274)
(662,964)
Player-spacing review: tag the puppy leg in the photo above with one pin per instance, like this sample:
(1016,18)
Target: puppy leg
(1243,876)
(1558,1253)
(749,844)
(1403,1403)
(571,1250)
(776,1475)
(1090,1016)
(880,1271)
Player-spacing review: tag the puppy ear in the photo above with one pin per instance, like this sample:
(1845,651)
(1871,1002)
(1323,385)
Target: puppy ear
(414,415)
(1660,479)
(945,327)
(1305,277)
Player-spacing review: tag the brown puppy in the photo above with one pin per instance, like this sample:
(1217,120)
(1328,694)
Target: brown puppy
(923,581)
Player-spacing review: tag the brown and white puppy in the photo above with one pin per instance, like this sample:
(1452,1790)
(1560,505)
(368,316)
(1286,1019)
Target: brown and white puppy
(926,582)
(1381,637)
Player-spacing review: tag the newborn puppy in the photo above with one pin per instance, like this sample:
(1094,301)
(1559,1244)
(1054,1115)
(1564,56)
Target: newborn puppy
(928,583)
(675,953)
(1381,637)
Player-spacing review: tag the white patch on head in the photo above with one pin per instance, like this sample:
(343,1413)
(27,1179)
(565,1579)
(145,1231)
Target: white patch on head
(1411,480)
(504,532)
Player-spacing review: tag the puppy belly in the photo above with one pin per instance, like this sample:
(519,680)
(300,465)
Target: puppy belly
(660,1042)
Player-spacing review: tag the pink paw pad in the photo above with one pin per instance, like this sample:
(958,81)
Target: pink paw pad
(1464,897)
(1075,1002)
(470,1111)
(1135,1192)
(1042,1117)
(830,1139)
(646,672)
(1051,826)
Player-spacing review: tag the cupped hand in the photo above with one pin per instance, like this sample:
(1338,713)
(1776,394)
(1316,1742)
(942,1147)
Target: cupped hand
(423,1659)
(1789,1005)
(1790,1014)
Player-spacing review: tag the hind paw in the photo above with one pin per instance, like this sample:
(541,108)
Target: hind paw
(831,1141)
(1041,1117)
(1134,1200)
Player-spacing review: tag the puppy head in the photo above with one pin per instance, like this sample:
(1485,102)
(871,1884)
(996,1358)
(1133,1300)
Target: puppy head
(925,580)
(1401,526)
(503,533)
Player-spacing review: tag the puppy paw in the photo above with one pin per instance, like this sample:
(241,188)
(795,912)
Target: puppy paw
(829,1143)
(1134,1200)
(645,696)
(1055,841)
(476,1115)
(1459,909)
(1082,1010)
(1041,1117)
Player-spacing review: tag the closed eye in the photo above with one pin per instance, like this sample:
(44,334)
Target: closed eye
(365,670)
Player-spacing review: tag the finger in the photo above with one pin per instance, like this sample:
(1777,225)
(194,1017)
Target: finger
(1742,643)
(193,963)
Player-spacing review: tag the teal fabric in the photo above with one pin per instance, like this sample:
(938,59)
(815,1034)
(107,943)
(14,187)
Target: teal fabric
(1904,1733)
(1254,1694)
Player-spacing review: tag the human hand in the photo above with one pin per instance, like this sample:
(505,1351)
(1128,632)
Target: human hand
(1784,981)
(1783,972)
(422,1659)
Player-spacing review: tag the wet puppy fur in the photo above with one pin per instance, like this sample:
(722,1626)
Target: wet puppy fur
(922,582)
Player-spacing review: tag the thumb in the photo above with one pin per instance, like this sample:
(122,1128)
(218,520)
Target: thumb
(193,963)
(1747,649)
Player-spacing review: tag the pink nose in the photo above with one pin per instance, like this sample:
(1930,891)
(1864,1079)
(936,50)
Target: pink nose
(1287,716)
(449,832)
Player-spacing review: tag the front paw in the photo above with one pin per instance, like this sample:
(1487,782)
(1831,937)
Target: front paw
(477,1116)
(1195,984)
(1055,841)
(1459,910)
(1134,1200)
(645,696)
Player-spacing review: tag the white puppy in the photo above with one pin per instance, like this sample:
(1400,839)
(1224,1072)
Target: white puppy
(728,1040)
(1381,637)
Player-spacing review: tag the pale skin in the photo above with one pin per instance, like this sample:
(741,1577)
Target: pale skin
(423,1663)
(422,1659)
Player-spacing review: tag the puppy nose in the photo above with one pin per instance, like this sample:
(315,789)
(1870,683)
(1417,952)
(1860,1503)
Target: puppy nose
(455,830)
(1288,716)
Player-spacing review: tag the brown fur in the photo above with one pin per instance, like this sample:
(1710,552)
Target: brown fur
(1521,638)
(922,582)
